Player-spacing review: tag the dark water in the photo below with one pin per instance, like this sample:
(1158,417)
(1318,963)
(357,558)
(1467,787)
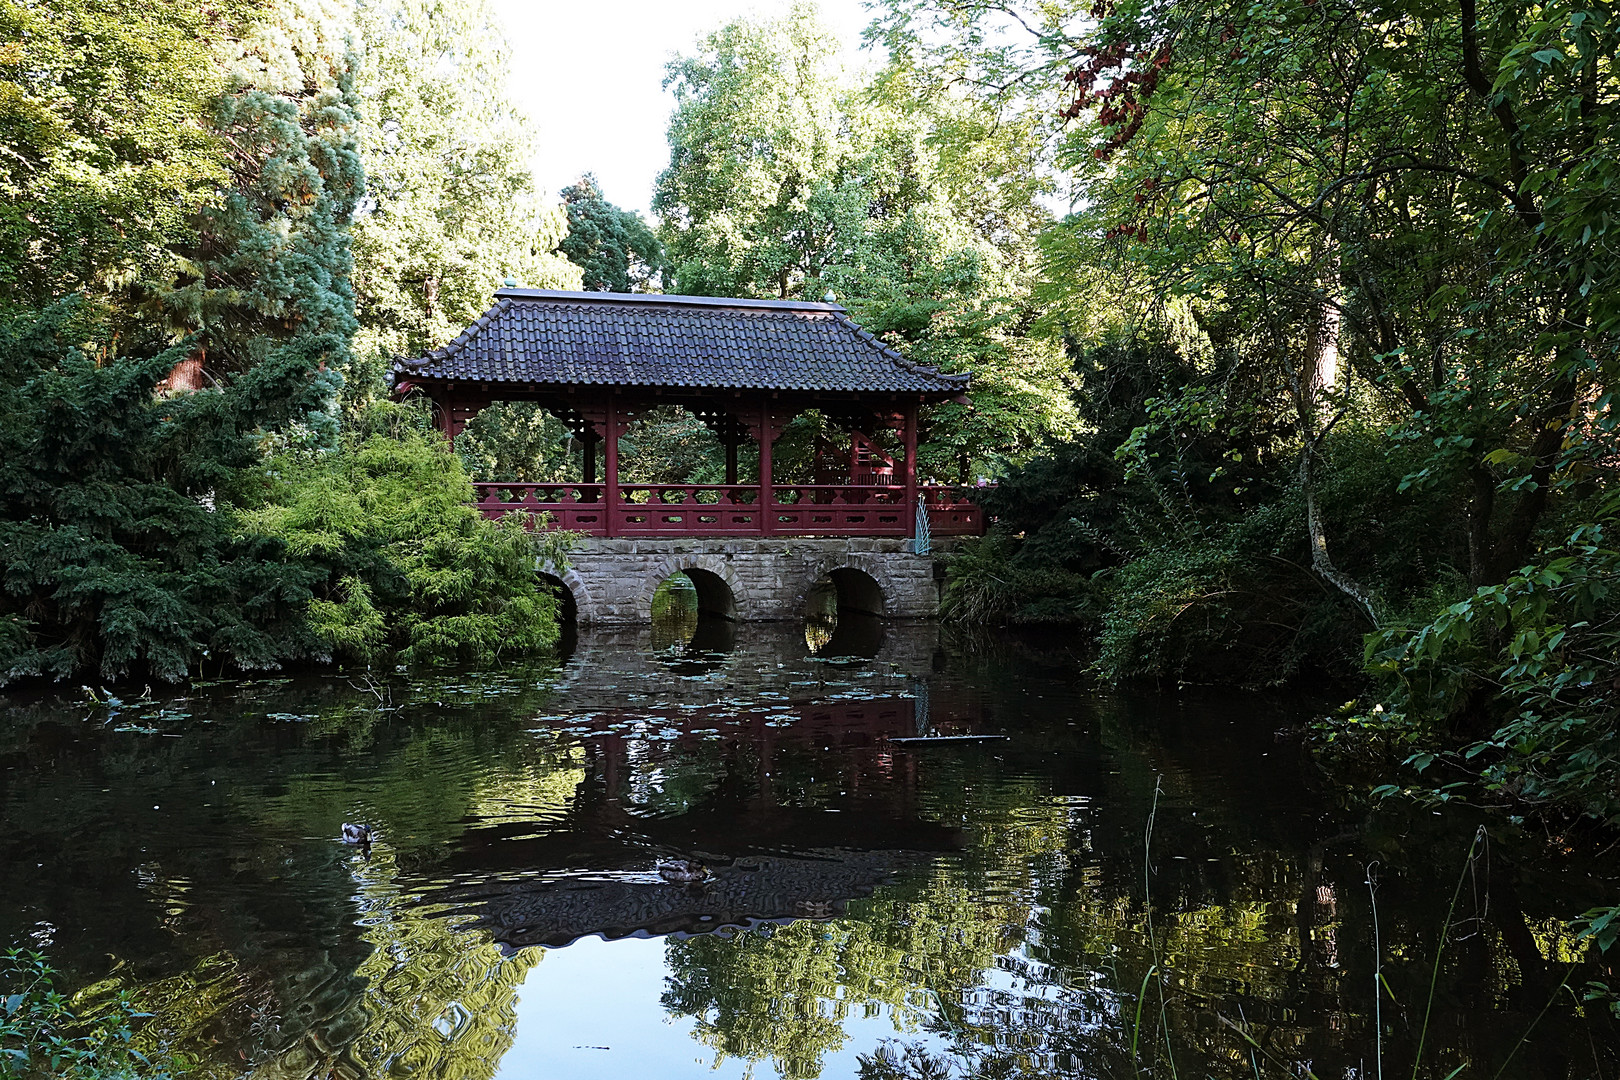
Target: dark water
(877,909)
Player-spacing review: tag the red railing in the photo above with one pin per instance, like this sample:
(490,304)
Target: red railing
(719,510)
(687,510)
(839,510)
(952,513)
(575,507)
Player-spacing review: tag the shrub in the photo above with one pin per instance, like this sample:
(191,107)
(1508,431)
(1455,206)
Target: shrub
(411,570)
(120,551)
(42,1036)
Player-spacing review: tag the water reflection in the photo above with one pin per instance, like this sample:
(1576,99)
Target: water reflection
(840,620)
(875,909)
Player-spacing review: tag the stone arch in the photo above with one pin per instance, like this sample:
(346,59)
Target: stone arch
(863,585)
(568,603)
(584,610)
(720,591)
(859,591)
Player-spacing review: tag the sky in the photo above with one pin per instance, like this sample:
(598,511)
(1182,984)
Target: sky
(590,75)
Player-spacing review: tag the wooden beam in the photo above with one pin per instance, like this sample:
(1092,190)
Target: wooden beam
(610,431)
(767,494)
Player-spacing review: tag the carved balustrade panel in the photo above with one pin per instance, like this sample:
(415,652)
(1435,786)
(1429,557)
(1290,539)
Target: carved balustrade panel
(687,510)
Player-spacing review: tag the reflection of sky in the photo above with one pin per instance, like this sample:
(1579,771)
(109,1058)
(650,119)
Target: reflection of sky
(599,993)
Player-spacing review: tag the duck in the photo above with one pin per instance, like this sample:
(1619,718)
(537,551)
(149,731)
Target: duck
(362,835)
(685,871)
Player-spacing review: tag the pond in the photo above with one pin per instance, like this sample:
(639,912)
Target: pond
(1126,884)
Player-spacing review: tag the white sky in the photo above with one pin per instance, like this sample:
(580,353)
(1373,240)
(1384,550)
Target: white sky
(590,75)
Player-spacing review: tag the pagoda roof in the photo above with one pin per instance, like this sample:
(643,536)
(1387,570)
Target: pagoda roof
(542,337)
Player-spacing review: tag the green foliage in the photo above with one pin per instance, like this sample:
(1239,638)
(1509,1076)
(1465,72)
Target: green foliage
(986,584)
(451,208)
(669,445)
(198,174)
(787,180)
(615,250)
(119,538)
(412,570)
(1378,245)
(108,156)
(520,441)
(272,259)
(1548,637)
(42,1036)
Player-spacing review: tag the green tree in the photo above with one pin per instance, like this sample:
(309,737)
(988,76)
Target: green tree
(272,258)
(413,570)
(615,249)
(109,154)
(1388,231)
(787,180)
(754,134)
(120,542)
(451,208)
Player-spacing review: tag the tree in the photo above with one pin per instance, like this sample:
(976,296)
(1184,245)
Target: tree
(451,208)
(272,258)
(784,180)
(615,250)
(1388,228)
(413,571)
(109,153)
(119,547)
(754,133)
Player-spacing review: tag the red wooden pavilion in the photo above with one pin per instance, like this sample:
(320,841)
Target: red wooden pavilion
(745,368)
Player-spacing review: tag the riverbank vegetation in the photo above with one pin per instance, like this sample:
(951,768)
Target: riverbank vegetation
(1338,290)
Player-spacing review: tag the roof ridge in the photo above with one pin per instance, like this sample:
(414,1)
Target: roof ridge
(663,299)
(463,339)
(894,354)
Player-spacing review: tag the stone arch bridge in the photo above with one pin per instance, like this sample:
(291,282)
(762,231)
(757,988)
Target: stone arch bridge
(611,582)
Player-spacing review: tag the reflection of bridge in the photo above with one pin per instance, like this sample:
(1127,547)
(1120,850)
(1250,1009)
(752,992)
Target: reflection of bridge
(749,891)
(744,745)
(592,872)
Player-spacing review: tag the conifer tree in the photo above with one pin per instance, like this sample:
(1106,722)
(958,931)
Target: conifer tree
(614,248)
(273,258)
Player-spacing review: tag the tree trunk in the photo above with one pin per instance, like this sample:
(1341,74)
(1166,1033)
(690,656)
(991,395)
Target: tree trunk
(1318,373)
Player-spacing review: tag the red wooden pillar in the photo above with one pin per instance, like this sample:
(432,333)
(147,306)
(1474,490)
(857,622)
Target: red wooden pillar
(610,432)
(910,516)
(455,411)
(767,492)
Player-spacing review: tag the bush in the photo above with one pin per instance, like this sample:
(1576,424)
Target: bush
(146,536)
(42,1036)
(120,551)
(1517,681)
(412,571)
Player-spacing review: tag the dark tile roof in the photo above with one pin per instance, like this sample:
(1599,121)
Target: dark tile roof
(617,339)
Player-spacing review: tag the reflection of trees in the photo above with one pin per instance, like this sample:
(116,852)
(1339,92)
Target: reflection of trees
(436,1003)
(783,992)
(209,868)
(1012,941)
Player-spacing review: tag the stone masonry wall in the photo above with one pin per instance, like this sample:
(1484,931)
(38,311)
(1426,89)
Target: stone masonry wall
(613,580)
